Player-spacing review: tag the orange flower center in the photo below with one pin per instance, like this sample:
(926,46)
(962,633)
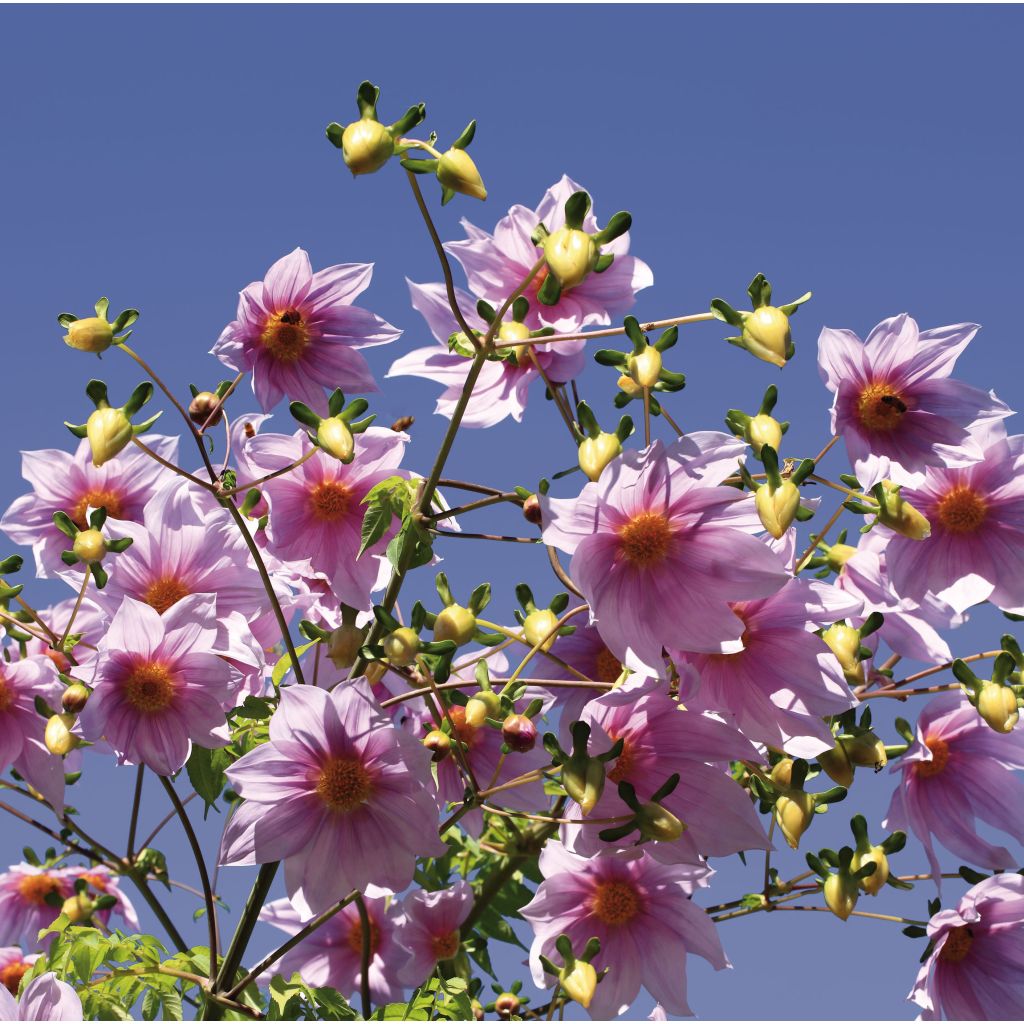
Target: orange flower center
(465,733)
(957,945)
(98,882)
(164,592)
(609,668)
(11,975)
(150,688)
(35,888)
(645,539)
(880,407)
(624,763)
(444,947)
(110,500)
(962,510)
(940,755)
(285,336)
(355,937)
(344,784)
(329,501)
(6,694)
(615,903)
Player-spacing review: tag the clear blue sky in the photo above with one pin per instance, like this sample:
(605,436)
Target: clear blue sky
(165,157)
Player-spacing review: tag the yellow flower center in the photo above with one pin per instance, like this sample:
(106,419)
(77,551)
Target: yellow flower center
(344,784)
(615,903)
(35,888)
(957,945)
(110,500)
(940,755)
(285,336)
(150,688)
(330,501)
(11,975)
(6,694)
(164,592)
(961,510)
(355,937)
(624,763)
(646,538)
(880,407)
(608,667)
(444,947)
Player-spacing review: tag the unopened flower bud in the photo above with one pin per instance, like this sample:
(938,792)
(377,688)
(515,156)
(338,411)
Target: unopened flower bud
(571,254)
(513,330)
(596,452)
(844,642)
(583,780)
(90,546)
(366,146)
(456,170)
(455,623)
(538,628)
(108,430)
(205,409)
(344,643)
(519,733)
(841,892)
(481,706)
(507,1004)
(835,763)
(629,386)
(997,704)
(401,646)
(867,751)
(335,438)
(900,515)
(438,744)
(531,510)
(782,773)
(78,908)
(645,367)
(656,822)
(74,698)
(90,334)
(478,1010)
(764,430)
(794,813)
(59,738)
(580,982)
(838,555)
(766,335)
(777,506)
(873,883)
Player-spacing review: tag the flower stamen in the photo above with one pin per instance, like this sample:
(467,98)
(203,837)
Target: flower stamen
(940,756)
(880,407)
(150,688)
(957,945)
(961,510)
(615,903)
(330,501)
(646,538)
(285,336)
(161,594)
(344,784)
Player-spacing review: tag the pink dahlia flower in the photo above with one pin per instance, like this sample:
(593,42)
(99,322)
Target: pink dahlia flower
(62,482)
(976,548)
(24,910)
(977,951)
(641,912)
(335,776)
(429,929)
(298,332)
(497,264)
(896,407)
(959,769)
(14,965)
(160,684)
(44,998)
(657,553)
(501,389)
(332,955)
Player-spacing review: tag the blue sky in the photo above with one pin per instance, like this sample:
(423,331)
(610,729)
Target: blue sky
(166,156)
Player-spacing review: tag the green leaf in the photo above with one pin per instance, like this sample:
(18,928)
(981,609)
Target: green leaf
(377,518)
(284,664)
(206,773)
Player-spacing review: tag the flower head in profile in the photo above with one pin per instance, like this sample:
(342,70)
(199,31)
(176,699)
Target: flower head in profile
(30,900)
(641,912)
(957,770)
(160,684)
(896,406)
(44,998)
(657,551)
(297,332)
(429,928)
(336,776)
(332,955)
(973,971)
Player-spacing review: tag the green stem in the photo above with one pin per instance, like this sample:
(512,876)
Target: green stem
(364,960)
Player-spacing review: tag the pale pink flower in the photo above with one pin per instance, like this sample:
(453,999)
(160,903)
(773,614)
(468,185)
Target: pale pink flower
(44,998)
(27,895)
(429,928)
(14,965)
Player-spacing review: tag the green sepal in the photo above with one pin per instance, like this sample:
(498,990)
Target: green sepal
(723,311)
(413,116)
(466,137)
(577,206)
(609,357)
(66,319)
(419,165)
(334,132)
(97,391)
(604,261)
(790,307)
(366,99)
(302,412)
(138,398)
(99,574)
(550,291)
(447,195)
(69,558)
(760,291)
(618,224)
(64,523)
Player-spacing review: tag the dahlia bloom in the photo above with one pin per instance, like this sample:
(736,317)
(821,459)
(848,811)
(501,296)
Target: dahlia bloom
(895,405)
(14,965)
(497,264)
(429,928)
(976,548)
(643,915)
(24,911)
(336,775)
(661,739)
(502,386)
(956,770)
(297,332)
(22,728)
(974,970)
(45,998)
(160,685)
(62,482)
(785,681)
(332,955)
(657,551)
(316,511)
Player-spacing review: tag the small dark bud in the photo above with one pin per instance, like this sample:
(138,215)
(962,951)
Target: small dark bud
(531,510)
(200,408)
(519,733)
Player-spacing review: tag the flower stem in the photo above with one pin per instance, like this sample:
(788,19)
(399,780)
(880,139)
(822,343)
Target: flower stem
(74,611)
(364,962)
(608,332)
(133,822)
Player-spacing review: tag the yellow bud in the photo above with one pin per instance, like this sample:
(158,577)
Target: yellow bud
(75,697)
(793,814)
(108,430)
(438,744)
(536,627)
(90,546)
(844,642)
(90,334)
(482,705)
(366,146)
(401,646)
(766,335)
(901,516)
(596,452)
(838,555)
(764,430)
(867,751)
(375,672)
(777,506)
(456,170)
(579,983)
(835,763)
(78,908)
(59,738)
(571,254)
(658,823)
(455,623)
(584,782)
(872,885)
(344,643)
(841,892)
(513,330)
(645,367)
(782,773)
(997,704)
(335,438)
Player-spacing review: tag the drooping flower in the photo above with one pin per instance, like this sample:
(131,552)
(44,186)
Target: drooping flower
(641,912)
(974,969)
(976,548)
(503,384)
(298,332)
(336,776)
(62,482)
(959,769)
(45,998)
(657,552)
(160,684)
(429,928)
(25,909)
(896,407)
(332,955)
(497,264)
(14,965)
